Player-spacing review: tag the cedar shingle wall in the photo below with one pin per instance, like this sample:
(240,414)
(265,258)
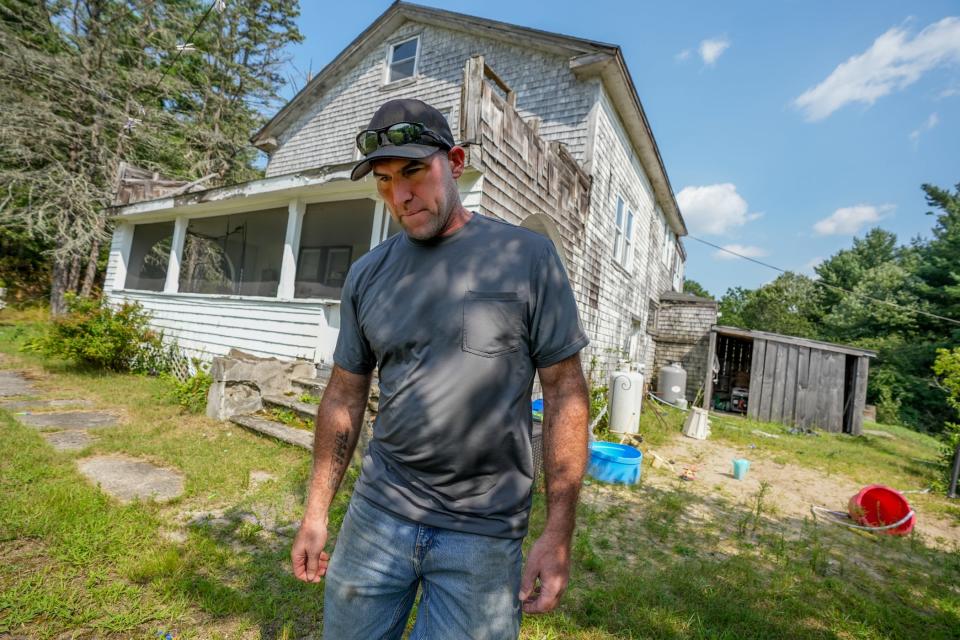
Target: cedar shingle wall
(545,85)
(618,300)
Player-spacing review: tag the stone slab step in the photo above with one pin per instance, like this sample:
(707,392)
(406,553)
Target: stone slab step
(296,437)
(14,383)
(129,479)
(305,410)
(39,404)
(68,440)
(64,420)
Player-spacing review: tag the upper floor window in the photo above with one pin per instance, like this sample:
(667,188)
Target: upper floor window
(623,235)
(402,62)
(667,242)
(618,232)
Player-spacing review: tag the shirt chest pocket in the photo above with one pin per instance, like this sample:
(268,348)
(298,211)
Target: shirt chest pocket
(492,323)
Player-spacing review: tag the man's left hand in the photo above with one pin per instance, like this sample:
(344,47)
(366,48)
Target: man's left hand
(548,562)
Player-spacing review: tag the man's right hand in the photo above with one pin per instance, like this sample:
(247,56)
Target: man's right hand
(309,559)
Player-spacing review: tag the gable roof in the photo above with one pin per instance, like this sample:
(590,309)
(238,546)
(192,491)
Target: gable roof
(587,58)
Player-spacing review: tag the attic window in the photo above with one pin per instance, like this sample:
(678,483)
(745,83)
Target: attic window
(403,59)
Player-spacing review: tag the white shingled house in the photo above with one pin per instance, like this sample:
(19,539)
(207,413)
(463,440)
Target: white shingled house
(557,141)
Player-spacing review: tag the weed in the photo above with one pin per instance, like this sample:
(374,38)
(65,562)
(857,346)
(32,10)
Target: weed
(290,418)
(751,519)
(309,398)
(248,532)
(663,516)
(191,394)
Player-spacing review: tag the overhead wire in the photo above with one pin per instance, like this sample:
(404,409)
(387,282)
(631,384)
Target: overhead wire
(181,49)
(831,286)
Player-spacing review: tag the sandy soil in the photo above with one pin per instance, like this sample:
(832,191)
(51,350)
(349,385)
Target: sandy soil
(793,489)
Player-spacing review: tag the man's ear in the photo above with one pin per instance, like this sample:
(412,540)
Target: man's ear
(457,157)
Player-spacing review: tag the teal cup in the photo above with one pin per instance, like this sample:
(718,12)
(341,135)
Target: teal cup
(740,467)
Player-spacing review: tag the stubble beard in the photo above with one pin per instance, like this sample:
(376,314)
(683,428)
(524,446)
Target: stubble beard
(438,222)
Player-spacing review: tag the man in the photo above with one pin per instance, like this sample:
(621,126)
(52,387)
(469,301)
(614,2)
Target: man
(457,312)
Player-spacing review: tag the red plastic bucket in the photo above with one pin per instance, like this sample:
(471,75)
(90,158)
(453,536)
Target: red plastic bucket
(879,506)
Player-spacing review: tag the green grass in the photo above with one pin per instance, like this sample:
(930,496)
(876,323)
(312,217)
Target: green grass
(648,562)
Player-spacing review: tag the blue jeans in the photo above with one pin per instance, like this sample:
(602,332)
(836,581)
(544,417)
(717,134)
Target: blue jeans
(469,582)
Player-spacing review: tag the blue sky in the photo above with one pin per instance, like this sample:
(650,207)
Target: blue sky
(786,128)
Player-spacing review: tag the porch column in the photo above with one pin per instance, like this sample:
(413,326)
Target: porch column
(291,243)
(120,255)
(172,283)
(376,235)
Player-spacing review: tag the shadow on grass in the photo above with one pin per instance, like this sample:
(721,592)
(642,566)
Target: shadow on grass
(748,575)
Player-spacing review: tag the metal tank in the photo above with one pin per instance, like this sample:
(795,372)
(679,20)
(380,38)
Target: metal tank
(625,401)
(671,383)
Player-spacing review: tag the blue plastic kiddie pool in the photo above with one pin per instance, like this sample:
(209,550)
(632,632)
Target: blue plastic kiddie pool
(614,463)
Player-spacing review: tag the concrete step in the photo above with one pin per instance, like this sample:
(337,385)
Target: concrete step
(313,386)
(316,387)
(305,410)
(296,437)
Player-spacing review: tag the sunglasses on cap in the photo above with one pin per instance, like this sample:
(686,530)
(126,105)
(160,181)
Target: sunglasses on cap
(400,133)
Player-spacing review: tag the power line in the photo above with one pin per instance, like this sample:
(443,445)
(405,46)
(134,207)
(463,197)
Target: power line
(215,4)
(831,286)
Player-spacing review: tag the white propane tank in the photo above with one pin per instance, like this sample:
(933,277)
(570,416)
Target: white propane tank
(671,383)
(625,401)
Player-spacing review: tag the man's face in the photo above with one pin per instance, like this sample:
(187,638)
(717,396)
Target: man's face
(420,194)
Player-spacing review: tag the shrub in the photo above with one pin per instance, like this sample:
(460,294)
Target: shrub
(94,334)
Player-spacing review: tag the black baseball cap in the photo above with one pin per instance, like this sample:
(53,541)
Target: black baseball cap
(406,110)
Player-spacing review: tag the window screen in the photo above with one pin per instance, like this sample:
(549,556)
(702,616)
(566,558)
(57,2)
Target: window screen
(149,256)
(237,254)
(334,235)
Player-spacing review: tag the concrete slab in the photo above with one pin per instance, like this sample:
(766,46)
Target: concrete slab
(35,405)
(14,383)
(69,420)
(258,478)
(129,479)
(68,440)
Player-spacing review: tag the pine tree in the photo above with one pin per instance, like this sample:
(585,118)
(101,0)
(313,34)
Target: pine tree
(87,84)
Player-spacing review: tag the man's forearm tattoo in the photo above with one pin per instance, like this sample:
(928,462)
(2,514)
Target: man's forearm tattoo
(340,446)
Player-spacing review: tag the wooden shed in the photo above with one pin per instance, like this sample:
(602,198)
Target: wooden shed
(794,381)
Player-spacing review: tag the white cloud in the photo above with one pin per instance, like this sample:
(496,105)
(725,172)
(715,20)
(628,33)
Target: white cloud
(849,220)
(948,93)
(932,121)
(745,250)
(894,61)
(711,49)
(714,208)
(683,55)
(812,264)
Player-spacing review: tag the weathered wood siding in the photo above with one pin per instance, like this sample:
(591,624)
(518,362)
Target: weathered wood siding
(683,335)
(204,326)
(524,174)
(546,87)
(803,386)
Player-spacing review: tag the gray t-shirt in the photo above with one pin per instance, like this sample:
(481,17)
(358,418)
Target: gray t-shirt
(458,326)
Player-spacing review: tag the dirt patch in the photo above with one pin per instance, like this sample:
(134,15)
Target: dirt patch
(793,489)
